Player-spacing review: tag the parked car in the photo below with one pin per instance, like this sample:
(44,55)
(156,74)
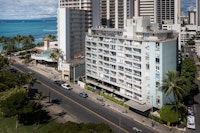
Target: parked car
(190,122)
(83,94)
(190,110)
(66,86)
(137,129)
(12,70)
(59,82)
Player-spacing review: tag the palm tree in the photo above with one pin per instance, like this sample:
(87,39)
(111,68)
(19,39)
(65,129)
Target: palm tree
(173,84)
(17,39)
(8,49)
(2,39)
(30,39)
(56,55)
(51,37)
(24,40)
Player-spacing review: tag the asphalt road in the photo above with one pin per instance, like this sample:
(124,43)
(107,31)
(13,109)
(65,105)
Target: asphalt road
(85,110)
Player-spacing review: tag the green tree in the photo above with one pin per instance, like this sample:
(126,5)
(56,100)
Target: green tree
(188,69)
(10,80)
(17,40)
(30,39)
(172,84)
(2,39)
(9,48)
(56,55)
(3,62)
(72,127)
(51,37)
(14,102)
(169,114)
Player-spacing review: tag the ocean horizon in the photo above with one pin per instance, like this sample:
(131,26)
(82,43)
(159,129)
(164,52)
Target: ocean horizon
(38,28)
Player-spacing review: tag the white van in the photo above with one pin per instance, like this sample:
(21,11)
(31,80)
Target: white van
(190,122)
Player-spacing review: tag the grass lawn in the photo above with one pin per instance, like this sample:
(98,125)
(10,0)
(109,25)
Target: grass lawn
(7,125)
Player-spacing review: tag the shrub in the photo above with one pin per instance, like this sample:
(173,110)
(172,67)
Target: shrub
(156,118)
(89,88)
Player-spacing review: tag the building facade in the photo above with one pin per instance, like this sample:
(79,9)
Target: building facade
(131,62)
(198,14)
(157,10)
(113,13)
(91,6)
(192,16)
(71,32)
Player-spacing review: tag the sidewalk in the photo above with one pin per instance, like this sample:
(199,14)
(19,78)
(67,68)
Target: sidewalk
(122,110)
(52,74)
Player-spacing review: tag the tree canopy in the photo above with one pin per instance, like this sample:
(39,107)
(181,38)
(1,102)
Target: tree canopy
(15,102)
(188,69)
(168,113)
(10,80)
(3,62)
(72,127)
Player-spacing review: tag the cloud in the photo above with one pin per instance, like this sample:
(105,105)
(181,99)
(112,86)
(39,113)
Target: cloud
(28,9)
(187,3)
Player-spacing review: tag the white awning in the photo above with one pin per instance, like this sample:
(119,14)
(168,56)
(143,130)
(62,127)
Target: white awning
(138,106)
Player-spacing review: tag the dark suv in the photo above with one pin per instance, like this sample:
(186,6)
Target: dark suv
(83,94)
(59,82)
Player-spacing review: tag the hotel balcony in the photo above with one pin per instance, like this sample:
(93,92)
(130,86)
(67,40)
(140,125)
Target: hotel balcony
(128,50)
(128,79)
(137,74)
(137,82)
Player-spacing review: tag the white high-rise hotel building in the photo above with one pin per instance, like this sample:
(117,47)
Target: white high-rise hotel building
(131,62)
(74,18)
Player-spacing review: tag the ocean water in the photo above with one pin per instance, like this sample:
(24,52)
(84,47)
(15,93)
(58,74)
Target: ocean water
(37,28)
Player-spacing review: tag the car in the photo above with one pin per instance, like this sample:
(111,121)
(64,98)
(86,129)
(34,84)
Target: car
(83,94)
(59,82)
(137,129)
(190,122)
(190,110)
(66,86)
(12,70)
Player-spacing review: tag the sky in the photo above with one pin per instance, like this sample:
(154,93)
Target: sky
(28,9)
(33,9)
(187,3)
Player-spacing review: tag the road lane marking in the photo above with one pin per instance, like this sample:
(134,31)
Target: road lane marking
(80,105)
(85,108)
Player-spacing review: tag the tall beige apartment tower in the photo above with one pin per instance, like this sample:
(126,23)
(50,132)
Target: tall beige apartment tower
(198,14)
(113,13)
(157,10)
(145,8)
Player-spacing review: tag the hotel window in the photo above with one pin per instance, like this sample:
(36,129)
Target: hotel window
(157,60)
(121,68)
(157,84)
(147,66)
(157,45)
(157,68)
(158,101)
